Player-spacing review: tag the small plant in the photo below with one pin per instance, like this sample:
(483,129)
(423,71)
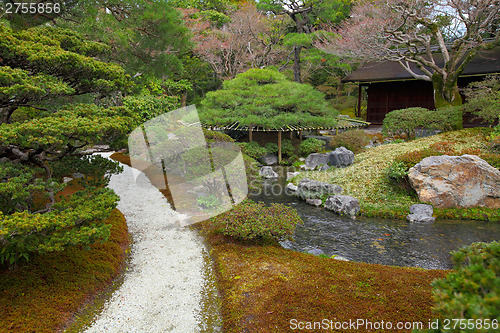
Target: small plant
(271,148)
(472,291)
(484,99)
(252,149)
(250,221)
(209,202)
(287,148)
(354,140)
(311,145)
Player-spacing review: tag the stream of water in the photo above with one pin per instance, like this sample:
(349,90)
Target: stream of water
(377,241)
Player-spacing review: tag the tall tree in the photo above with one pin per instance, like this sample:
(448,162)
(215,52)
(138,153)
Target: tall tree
(147,37)
(439,37)
(307,16)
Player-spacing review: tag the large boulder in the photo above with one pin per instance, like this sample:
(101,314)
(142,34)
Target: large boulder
(313,189)
(340,157)
(421,213)
(290,175)
(268,172)
(456,181)
(316,159)
(343,205)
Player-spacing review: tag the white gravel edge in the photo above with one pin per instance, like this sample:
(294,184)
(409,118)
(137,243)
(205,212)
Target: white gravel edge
(161,290)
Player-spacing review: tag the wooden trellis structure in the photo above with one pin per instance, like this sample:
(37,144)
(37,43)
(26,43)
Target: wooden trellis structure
(344,124)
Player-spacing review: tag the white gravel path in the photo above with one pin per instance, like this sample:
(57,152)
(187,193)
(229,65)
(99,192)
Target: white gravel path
(161,290)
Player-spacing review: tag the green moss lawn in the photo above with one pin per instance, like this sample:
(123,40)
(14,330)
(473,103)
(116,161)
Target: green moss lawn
(367,180)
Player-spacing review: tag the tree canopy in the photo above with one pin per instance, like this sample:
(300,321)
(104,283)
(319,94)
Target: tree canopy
(439,37)
(41,64)
(264,98)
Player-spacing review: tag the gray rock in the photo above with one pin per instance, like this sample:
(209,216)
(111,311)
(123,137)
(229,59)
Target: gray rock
(343,205)
(313,189)
(302,159)
(291,187)
(290,175)
(67,180)
(340,157)
(340,258)
(315,251)
(267,172)
(314,202)
(456,181)
(324,167)
(77,175)
(421,213)
(314,160)
(420,218)
(269,159)
(422,209)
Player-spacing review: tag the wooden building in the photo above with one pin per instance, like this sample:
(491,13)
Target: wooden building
(391,87)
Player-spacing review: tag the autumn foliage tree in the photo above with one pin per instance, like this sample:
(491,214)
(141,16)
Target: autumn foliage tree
(438,37)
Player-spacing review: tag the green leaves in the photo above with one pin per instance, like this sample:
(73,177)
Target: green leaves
(253,221)
(472,290)
(264,98)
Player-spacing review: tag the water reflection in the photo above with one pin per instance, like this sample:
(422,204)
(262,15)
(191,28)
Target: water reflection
(378,241)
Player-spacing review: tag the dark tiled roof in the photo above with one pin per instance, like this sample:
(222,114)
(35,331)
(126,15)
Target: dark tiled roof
(485,62)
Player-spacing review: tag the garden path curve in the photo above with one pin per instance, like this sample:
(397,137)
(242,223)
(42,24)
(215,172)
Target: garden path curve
(162,286)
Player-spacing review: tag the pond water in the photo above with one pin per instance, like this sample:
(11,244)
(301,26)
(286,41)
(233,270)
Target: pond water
(377,241)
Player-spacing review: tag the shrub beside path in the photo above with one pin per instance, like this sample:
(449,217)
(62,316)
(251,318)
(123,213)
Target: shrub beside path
(163,283)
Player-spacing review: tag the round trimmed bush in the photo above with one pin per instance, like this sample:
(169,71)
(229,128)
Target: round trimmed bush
(311,145)
(251,220)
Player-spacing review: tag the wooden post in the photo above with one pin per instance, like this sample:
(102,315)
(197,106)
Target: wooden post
(360,91)
(300,134)
(291,135)
(250,135)
(279,147)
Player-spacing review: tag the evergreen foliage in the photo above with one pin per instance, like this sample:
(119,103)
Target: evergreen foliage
(264,98)
(471,293)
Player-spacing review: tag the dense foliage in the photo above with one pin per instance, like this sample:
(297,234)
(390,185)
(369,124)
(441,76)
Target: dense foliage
(250,221)
(265,98)
(406,122)
(483,99)
(311,145)
(354,140)
(471,293)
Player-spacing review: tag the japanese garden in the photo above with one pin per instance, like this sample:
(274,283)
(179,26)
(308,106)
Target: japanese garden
(250,166)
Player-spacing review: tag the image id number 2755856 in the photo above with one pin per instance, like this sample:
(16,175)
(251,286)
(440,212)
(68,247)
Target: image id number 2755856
(32,8)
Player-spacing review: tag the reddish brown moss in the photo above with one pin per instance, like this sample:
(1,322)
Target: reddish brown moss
(40,296)
(264,287)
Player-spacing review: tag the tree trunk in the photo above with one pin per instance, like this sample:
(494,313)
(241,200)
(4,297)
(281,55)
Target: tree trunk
(296,63)
(446,92)
(6,113)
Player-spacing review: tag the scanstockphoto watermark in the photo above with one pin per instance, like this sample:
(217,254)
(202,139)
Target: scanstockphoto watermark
(353,324)
(365,324)
(203,178)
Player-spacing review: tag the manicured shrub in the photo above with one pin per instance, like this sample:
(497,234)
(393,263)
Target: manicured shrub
(354,140)
(252,149)
(311,145)
(250,221)
(471,292)
(214,136)
(287,148)
(271,148)
(407,121)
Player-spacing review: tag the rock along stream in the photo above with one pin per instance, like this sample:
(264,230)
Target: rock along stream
(377,241)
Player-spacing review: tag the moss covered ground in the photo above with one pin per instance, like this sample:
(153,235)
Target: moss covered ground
(43,294)
(265,288)
(367,180)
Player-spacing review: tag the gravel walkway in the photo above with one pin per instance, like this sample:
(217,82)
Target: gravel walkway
(163,285)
